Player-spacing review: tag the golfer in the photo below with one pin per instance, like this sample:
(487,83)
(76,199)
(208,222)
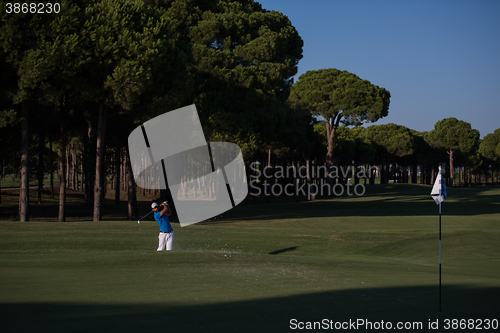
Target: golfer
(161,214)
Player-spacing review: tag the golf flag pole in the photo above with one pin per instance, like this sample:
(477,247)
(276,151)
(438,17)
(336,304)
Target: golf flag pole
(439,193)
(439,256)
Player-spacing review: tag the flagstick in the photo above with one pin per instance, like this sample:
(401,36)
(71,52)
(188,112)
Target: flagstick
(439,193)
(439,256)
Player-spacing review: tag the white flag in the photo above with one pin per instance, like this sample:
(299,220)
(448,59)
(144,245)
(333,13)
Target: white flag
(439,191)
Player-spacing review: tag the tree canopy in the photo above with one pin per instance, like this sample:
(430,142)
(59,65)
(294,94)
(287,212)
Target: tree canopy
(490,146)
(339,97)
(243,61)
(395,139)
(454,135)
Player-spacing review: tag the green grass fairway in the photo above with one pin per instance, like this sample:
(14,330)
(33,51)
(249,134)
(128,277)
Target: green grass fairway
(260,266)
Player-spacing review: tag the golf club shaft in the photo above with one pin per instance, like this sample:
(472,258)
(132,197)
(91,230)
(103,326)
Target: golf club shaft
(145,215)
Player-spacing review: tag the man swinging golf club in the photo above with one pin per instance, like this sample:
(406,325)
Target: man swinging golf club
(161,214)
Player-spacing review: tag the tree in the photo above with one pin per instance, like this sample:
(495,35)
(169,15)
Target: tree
(454,135)
(350,146)
(20,45)
(489,148)
(129,44)
(243,61)
(344,148)
(299,140)
(364,153)
(425,156)
(392,141)
(8,119)
(57,60)
(8,142)
(339,97)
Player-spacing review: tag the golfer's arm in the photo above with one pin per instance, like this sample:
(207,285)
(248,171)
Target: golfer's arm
(166,209)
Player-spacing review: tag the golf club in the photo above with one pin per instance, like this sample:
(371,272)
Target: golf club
(139,220)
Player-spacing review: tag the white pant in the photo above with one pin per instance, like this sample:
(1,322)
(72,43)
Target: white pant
(165,240)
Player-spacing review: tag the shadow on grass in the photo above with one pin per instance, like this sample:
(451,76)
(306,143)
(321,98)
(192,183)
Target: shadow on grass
(380,200)
(284,250)
(411,305)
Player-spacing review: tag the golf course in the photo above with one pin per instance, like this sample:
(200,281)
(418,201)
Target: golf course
(307,166)
(322,265)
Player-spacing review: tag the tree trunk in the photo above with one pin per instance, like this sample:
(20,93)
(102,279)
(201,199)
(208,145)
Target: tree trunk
(74,169)
(384,170)
(309,179)
(269,180)
(308,176)
(372,176)
(465,176)
(99,165)
(89,164)
(124,174)
(429,174)
(62,161)
(451,167)
(24,190)
(51,169)
(355,174)
(393,175)
(117,175)
(294,179)
(414,173)
(132,198)
(40,167)
(82,173)
(330,134)
(1,177)
(68,165)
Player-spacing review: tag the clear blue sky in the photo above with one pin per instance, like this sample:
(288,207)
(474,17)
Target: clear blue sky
(438,58)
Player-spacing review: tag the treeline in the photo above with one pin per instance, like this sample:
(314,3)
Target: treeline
(77,82)
(385,154)
(98,69)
